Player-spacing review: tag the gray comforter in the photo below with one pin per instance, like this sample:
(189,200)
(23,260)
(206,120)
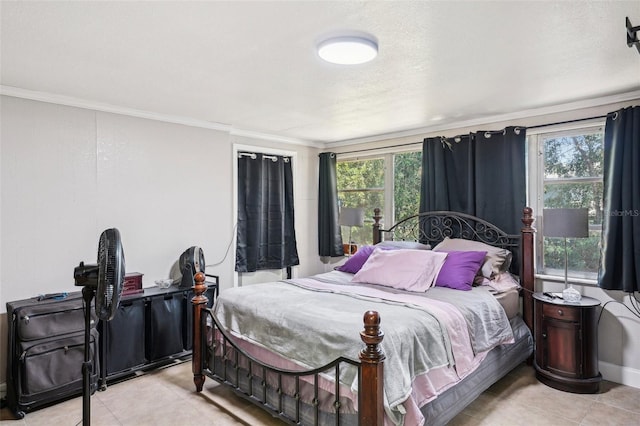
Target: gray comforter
(312,322)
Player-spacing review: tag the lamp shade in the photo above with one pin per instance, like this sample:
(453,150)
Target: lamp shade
(351,216)
(566,223)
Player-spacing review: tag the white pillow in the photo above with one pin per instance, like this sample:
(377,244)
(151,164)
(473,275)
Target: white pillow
(497,259)
(404,269)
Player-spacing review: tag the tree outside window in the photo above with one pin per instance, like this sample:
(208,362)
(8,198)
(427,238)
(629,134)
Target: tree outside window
(362,183)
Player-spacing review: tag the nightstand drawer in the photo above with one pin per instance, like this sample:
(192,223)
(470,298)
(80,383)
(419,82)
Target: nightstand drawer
(564,313)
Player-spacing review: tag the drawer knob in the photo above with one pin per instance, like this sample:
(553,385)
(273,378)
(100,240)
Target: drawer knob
(560,312)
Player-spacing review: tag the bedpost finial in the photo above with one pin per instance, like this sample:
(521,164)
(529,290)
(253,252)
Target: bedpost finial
(376,216)
(372,336)
(377,237)
(527,217)
(199,286)
(371,319)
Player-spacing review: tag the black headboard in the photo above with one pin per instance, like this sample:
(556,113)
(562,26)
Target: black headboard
(432,227)
(441,224)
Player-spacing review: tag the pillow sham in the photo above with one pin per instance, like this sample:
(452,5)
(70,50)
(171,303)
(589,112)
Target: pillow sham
(404,269)
(355,261)
(459,269)
(497,259)
(413,245)
(502,282)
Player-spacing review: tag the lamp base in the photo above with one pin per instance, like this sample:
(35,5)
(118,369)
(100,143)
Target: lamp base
(570,294)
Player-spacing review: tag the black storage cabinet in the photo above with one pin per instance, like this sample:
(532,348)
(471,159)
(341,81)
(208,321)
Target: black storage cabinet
(122,340)
(165,325)
(149,329)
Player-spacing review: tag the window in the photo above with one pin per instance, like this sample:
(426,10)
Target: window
(568,174)
(362,183)
(565,169)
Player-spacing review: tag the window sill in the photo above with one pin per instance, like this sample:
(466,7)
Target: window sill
(570,280)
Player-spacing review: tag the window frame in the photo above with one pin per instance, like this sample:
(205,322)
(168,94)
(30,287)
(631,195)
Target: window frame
(368,220)
(387,154)
(535,185)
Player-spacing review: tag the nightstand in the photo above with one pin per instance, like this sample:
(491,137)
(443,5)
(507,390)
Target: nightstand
(566,336)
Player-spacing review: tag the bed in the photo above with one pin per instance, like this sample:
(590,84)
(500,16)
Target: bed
(313,350)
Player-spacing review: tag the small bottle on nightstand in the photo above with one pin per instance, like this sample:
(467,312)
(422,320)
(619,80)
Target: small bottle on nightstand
(570,294)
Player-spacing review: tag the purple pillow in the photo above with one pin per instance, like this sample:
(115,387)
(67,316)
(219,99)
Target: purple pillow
(355,262)
(459,269)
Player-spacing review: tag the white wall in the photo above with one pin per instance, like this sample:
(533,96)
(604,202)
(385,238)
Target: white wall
(69,173)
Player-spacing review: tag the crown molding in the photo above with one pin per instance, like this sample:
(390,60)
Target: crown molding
(529,113)
(275,138)
(53,98)
(17,92)
(187,121)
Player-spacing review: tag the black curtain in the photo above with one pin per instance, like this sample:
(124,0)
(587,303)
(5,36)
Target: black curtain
(620,260)
(266,237)
(482,174)
(329,236)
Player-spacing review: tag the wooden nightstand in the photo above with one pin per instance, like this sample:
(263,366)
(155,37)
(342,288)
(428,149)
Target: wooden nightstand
(566,336)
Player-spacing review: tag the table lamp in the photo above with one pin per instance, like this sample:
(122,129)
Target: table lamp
(566,223)
(351,217)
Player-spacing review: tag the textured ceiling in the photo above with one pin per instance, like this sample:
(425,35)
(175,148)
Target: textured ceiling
(252,66)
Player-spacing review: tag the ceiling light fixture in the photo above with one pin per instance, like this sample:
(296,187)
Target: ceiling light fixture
(348,50)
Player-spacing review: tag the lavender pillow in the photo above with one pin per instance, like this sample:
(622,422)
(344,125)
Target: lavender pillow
(355,262)
(412,270)
(459,269)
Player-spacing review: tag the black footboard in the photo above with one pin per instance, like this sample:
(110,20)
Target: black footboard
(294,394)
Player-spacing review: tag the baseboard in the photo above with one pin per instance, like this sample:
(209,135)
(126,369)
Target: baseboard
(620,374)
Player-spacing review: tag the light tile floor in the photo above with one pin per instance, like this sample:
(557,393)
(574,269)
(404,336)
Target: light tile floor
(167,397)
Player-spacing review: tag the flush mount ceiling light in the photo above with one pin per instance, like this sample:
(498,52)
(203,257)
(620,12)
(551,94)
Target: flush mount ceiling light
(348,50)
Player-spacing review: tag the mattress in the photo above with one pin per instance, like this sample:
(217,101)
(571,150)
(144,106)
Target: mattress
(499,361)
(510,302)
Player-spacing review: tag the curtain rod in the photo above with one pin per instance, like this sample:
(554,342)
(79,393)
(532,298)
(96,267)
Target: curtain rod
(382,147)
(615,115)
(253,156)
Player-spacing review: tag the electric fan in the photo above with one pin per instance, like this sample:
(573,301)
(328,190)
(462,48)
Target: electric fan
(191,261)
(104,281)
